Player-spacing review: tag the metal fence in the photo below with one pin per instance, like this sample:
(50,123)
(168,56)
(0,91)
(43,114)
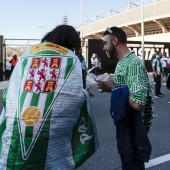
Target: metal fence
(14,47)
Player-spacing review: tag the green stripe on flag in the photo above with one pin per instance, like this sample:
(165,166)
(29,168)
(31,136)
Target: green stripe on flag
(69,66)
(4,97)
(2,129)
(29,129)
(14,153)
(35,99)
(22,99)
(24,65)
(48,101)
(46,52)
(28,136)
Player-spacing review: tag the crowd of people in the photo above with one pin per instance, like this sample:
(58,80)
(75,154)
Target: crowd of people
(47,121)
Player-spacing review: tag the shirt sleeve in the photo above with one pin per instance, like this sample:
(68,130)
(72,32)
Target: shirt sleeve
(137,82)
(154,63)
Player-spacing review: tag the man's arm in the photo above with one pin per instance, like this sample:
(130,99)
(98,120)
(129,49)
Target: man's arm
(154,70)
(135,105)
(107,86)
(154,67)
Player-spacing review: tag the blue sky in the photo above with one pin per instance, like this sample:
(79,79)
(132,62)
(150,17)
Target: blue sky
(34,18)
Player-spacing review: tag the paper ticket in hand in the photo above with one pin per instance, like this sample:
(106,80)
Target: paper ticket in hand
(93,76)
(103,78)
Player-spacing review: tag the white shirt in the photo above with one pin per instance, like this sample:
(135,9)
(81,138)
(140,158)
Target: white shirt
(164,60)
(169,60)
(96,62)
(155,63)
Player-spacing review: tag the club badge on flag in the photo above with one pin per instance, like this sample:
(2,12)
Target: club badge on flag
(43,78)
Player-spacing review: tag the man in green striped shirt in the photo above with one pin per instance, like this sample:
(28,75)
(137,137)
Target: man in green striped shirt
(130,72)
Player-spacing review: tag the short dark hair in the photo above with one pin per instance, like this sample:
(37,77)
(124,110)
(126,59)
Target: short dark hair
(156,52)
(117,32)
(64,35)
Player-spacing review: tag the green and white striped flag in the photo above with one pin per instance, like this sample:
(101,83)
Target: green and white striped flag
(46,123)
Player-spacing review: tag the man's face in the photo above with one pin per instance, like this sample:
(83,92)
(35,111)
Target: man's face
(159,55)
(164,54)
(109,47)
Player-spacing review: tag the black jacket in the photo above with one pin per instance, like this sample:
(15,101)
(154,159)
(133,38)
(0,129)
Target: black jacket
(132,139)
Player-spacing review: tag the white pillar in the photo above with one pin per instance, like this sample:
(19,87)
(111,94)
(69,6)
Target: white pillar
(142,32)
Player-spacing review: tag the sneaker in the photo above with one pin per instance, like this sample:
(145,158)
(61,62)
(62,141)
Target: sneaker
(157,96)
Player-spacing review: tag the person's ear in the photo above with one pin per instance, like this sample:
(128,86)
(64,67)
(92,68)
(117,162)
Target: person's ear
(115,41)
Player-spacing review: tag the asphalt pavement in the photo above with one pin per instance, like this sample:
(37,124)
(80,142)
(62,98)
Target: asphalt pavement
(106,157)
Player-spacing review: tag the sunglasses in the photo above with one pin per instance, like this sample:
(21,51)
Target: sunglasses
(111,32)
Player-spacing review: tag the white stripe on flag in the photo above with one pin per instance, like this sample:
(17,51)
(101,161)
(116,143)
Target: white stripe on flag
(41,106)
(26,104)
(61,75)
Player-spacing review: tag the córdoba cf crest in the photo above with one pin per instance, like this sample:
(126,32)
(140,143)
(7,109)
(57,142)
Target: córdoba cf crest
(42,80)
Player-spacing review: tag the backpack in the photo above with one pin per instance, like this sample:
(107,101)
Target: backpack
(168,82)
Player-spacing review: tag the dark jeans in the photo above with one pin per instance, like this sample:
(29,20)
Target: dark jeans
(135,165)
(165,71)
(158,84)
(96,71)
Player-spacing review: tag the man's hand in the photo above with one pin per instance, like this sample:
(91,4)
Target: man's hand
(88,90)
(105,86)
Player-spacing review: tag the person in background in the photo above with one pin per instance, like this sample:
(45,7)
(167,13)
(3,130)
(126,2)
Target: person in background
(83,65)
(95,63)
(13,62)
(168,65)
(47,122)
(153,57)
(158,70)
(131,100)
(164,61)
(93,59)
(168,84)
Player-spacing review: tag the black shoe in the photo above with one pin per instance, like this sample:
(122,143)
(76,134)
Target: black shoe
(157,96)
(160,94)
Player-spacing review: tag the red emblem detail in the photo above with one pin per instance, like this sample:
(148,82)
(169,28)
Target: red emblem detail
(32,73)
(35,62)
(42,74)
(53,73)
(45,62)
(55,62)
(38,86)
(49,86)
(28,85)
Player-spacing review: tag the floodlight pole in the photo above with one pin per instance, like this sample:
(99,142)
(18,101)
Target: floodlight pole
(142,32)
(80,12)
